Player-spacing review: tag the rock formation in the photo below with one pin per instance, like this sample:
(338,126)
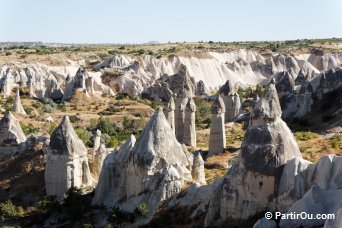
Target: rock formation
(181,102)
(251,184)
(217,140)
(231,101)
(169,111)
(66,161)
(312,188)
(97,142)
(11,134)
(316,101)
(166,85)
(17,106)
(98,159)
(201,89)
(152,171)
(111,188)
(189,137)
(285,84)
(243,67)
(197,171)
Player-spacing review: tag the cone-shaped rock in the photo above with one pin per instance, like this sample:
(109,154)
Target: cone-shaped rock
(155,169)
(11,133)
(217,140)
(267,108)
(169,111)
(17,106)
(251,184)
(181,102)
(189,124)
(226,89)
(67,162)
(98,159)
(231,101)
(112,181)
(197,171)
(97,142)
(268,143)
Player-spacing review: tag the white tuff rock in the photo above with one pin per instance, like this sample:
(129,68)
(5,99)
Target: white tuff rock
(217,140)
(17,106)
(67,161)
(189,137)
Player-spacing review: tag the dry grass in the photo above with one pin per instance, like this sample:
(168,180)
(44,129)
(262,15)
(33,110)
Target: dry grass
(314,148)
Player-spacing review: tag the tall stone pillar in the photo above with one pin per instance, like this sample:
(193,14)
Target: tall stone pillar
(189,124)
(18,107)
(197,171)
(181,102)
(97,142)
(217,140)
(232,104)
(169,111)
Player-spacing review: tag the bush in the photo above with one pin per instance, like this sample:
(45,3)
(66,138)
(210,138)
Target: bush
(47,204)
(9,211)
(8,53)
(48,108)
(83,135)
(336,142)
(203,113)
(75,204)
(62,106)
(28,109)
(29,129)
(155,104)
(305,135)
(37,105)
(112,109)
(51,127)
(106,125)
(140,51)
(141,210)
(119,217)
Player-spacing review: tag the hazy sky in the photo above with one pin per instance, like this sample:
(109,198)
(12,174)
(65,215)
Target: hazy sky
(138,21)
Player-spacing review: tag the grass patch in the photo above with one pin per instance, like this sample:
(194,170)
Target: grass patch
(305,135)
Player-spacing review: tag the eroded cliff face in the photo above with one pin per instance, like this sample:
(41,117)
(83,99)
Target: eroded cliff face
(210,69)
(315,100)
(241,67)
(55,82)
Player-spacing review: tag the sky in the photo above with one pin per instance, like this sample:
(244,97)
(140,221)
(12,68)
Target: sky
(140,21)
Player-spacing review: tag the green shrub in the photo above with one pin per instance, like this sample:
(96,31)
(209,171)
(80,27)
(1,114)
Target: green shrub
(47,204)
(119,217)
(9,211)
(140,51)
(203,113)
(305,135)
(48,108)
(112,109)
(106,125)
(141,210)
(37,105)
(75,204)
(336,142)
(51,127)
(83,135)
(28,109)
(155,104)
(62,106)
(29,129)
